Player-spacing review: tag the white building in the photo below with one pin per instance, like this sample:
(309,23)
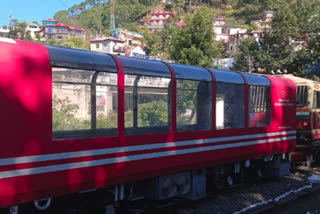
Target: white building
(138,52)
(108,45)
(4,32)
(32,28)
(236,30)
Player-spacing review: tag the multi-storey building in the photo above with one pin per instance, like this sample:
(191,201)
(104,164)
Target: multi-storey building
(52,29)
(264,24)
(32,29)
(132,38)
(235,39)
(108,45)
(158,20)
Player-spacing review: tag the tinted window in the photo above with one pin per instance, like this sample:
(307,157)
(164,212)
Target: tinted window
(147,104)
(229,106)
(259,106)
(302,95)
(316,100)
(193,105)
(83,103)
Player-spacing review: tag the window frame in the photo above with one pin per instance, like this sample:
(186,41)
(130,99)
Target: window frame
(197,126)
(316,100)
(137,130)
(302,90)
(260,105)
(93,132)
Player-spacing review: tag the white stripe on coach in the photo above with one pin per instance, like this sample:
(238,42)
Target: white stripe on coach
(66,155)
(77,165)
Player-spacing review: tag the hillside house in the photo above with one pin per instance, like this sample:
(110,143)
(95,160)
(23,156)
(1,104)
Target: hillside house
(264,24)
(132,39)
(108,45)
(158,20)
(236,38)
(32,29)
(52,29)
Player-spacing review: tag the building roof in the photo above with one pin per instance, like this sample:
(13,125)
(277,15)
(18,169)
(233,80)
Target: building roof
(116,29)
(219,18)
(109,38)
(63,25)
(50,20)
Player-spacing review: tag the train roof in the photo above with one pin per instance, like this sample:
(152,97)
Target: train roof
(302,81)
(87,60)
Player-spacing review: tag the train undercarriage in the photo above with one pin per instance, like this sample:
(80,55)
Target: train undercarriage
(154,193)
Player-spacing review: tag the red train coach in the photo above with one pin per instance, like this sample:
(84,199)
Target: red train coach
(73,120)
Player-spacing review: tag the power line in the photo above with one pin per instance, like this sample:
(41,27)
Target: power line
(63,4)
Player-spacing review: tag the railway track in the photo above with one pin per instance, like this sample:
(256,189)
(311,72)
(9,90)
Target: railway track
(214,203)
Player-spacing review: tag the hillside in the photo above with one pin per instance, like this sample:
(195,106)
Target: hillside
(94,15)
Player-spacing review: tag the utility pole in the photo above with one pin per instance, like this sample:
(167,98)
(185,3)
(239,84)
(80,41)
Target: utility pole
(11,24)
(112,18)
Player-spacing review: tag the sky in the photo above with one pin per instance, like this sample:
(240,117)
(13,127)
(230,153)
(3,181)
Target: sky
(32,10)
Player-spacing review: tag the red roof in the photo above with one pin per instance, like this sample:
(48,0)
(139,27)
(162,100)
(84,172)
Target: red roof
(220,18)
(63,25)
(109,38)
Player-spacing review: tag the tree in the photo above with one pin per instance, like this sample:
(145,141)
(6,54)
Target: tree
(28,36)
(154,113)
(195,44)
(63,113)
(153,44)
(308,19)
(18,31)
(62,16)
(247,55)
(75,42)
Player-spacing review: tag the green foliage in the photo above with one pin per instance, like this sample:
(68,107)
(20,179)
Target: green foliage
(281,47)
(75,42)
(107,121)
(186,100)
(94,15)
(62,16)
(195,44)
(64,116)
(248,50)
(154,113)
(28,37)
(276,46)
(153,44)
(252,27)
(38,36)
(18,31)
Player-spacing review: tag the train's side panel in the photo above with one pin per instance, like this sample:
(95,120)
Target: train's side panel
(32,166)
(25,110)
(283,103)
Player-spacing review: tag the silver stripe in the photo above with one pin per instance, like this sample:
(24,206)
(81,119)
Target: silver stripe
(66,155)
(77,165)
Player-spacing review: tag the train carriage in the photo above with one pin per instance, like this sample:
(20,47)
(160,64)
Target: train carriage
(308,120)
(74,120)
